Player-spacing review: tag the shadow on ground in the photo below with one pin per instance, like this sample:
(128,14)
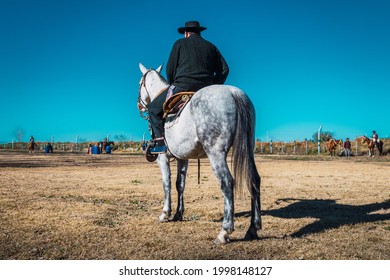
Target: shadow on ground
(328,214)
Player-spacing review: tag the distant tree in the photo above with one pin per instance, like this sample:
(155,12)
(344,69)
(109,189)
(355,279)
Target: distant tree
(19,134)
(324,136)
(82,140)
(120,138)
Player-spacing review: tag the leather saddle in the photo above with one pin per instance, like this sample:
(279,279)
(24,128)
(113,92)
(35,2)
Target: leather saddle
(176,103)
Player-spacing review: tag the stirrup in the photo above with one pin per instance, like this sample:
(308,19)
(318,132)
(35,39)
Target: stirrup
(150,157)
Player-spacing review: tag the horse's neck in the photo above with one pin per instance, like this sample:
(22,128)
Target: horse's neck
(157,85)
(368,141)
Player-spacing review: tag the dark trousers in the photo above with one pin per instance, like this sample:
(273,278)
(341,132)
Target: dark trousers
(155,109)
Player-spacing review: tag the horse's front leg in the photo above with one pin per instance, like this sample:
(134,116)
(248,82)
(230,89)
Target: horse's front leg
(182,167)
(163,162)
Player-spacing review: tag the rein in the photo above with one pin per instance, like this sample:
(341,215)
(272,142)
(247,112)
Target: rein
(143,110)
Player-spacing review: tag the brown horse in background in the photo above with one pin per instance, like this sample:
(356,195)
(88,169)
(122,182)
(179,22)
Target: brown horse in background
(31,147)
(371,145)
(332,145)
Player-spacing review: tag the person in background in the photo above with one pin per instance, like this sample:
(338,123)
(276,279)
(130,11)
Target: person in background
(49,147)
(89,151)
(347,147)
(375,138)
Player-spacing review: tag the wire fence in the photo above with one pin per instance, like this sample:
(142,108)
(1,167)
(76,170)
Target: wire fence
(306,147)
(74,147)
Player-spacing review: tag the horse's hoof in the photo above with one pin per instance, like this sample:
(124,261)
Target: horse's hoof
(251,234)
(163,218)
(218,241)
(177,218)
(222,238)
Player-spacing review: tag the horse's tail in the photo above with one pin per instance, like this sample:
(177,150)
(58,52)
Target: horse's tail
(244,167)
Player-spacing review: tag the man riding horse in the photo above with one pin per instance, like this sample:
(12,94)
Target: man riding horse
(31,145)
(372,144)
(194,63)
(217,119)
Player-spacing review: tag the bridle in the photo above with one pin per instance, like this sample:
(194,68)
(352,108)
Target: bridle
(142,106)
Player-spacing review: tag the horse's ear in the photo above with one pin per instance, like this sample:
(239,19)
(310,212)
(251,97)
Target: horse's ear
(142,68)
(159,68)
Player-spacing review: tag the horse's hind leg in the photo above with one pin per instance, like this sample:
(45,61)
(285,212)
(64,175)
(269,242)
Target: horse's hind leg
(163,162)
(255,225)
(182,166)
(221,171)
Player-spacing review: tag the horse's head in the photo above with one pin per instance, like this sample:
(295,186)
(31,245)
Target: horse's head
(364,139)
(150,85)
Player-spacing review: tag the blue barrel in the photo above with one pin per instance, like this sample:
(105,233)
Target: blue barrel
(108,149)
(47,149)
(95,150)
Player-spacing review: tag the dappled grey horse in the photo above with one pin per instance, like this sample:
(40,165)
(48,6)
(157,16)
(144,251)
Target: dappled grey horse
(217,118)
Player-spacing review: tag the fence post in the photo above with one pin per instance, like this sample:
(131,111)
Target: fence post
(295,147)
(307,146)
(270,146)
(319,140)
(357,148)
(261,147)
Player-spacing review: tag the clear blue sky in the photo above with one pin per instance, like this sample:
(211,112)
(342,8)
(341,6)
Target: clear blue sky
(69,68)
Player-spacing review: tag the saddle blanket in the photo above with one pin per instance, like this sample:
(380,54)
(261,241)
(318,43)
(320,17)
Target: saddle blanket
(176,102)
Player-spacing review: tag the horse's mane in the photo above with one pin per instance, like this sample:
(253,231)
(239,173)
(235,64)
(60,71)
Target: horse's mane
(158,74)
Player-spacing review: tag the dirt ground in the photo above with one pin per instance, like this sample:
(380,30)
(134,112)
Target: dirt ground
(75,206)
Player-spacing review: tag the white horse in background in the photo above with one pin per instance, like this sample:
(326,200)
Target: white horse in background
(216,119)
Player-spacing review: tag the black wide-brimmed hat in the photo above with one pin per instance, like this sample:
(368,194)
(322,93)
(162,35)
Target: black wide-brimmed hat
(191,26)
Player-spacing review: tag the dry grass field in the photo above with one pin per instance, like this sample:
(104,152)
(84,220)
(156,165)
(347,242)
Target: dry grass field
(74,206)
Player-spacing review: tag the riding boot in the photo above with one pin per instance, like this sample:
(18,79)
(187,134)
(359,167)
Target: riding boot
(159,148)
(155,109)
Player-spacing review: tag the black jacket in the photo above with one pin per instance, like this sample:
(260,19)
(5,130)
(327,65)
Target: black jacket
(195,63)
